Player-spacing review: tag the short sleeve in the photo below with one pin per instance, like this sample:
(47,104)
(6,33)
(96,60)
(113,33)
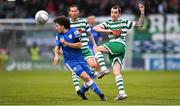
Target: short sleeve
(130,24)
(88,29)
(104,25)
(57,42)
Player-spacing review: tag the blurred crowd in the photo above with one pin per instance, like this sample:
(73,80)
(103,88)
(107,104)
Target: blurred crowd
(172,47)
(28,8)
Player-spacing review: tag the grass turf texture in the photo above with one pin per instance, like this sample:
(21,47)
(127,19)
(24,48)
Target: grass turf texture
(56,88)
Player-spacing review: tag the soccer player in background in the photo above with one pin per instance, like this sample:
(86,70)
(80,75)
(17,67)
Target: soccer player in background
(83,27)
(96,35)
(69,40)
(117,30)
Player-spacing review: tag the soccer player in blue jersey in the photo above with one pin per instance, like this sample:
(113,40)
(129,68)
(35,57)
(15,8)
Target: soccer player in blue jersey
(69,40)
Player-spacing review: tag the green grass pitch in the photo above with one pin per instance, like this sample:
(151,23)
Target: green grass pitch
(56,88)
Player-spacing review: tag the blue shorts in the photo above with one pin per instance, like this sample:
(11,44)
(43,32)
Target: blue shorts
(78,68)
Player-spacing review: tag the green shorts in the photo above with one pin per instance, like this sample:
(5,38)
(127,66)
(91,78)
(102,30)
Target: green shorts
(116,52)
(87,53)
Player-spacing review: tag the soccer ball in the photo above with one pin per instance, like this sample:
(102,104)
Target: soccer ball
(41,16)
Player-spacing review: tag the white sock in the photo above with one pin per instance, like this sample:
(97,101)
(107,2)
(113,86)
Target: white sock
(89,83)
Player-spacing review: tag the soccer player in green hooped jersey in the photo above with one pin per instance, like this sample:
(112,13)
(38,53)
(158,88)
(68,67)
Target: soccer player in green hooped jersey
(83,27)
(117,30)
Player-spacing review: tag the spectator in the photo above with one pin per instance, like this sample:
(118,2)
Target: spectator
(3,58)
(23,8)
(34,52)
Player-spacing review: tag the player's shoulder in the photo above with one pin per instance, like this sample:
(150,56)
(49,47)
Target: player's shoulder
(74,31)
(109,21)
(123,20)
(58,34)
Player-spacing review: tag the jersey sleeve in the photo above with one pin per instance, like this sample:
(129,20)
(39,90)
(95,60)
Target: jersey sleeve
(104,25)
(57,42)
(76,36)
(130,24)
(88,29)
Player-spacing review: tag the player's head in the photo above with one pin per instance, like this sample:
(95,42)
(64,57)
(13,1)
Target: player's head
(61,23)
(115,12)
(73,11)
(91,20)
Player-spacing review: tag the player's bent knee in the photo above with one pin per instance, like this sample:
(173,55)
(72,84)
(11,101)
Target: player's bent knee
(93,66)
(92,63)
(85,76)
(116,72)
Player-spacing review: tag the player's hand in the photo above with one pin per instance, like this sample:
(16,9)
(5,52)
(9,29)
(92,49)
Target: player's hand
(62,41)
(109,31)
(60,51)
(56,58)
(117,33)
(141,8)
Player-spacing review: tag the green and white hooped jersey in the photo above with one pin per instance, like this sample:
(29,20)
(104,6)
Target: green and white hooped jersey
(122,24)
(84,27)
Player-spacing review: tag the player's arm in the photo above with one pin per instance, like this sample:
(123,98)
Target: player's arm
(101,28)
(56,55)
(76,45)
(140,21)
(57,50)
(91,38)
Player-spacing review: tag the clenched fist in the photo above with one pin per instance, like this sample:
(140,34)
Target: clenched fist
(141,8)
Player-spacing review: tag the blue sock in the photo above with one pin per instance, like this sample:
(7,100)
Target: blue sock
(84,88)
(95,88)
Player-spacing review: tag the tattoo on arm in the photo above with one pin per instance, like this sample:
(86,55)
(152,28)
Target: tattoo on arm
(140,22)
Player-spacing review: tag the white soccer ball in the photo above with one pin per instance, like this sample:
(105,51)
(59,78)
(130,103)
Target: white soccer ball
(41,17)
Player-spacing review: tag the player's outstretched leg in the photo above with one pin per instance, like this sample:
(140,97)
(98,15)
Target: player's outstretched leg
(102,64)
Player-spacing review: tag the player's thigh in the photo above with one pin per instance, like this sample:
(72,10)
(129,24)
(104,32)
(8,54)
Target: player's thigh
(116,68)
(74,68)
(116,62)
(116,58)
(115,48)
(101,48)
(91,62)
(87,53)
(89,57)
